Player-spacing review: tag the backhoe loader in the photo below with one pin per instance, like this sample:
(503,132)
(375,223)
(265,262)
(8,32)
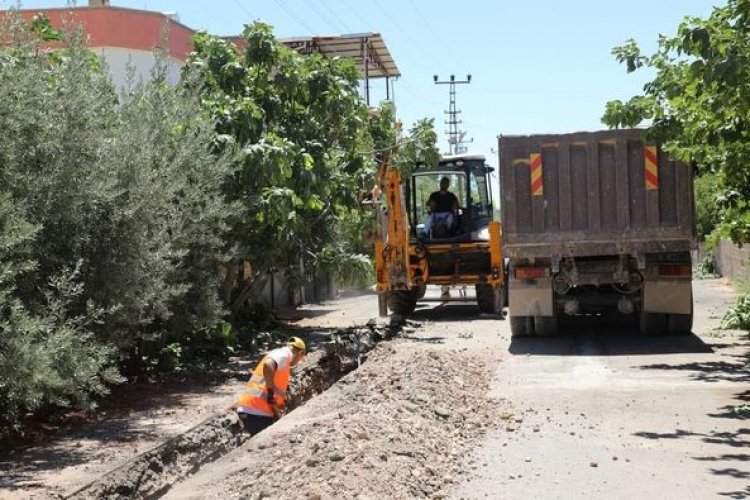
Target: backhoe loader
(408,257)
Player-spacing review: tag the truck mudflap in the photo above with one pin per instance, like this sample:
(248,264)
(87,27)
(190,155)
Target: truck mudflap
(668,296)
(532,297)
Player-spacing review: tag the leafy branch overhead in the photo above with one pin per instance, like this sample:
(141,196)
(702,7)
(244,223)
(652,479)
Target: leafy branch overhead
(698,104)
(306,141)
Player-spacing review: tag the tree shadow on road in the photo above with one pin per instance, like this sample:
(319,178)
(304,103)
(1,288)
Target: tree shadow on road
(733,367)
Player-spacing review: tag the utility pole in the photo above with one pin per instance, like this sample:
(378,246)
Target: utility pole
(455,136)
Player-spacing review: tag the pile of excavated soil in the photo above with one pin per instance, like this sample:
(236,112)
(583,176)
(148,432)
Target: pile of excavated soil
(399,427)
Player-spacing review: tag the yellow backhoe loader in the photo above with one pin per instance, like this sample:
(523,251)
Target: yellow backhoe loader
(412,251)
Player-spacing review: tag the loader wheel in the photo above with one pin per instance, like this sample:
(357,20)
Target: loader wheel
(402,302)
(486,299)
(545,326)
(653,324)
(521,326)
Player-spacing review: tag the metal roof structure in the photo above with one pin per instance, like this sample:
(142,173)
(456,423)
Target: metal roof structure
(368,50)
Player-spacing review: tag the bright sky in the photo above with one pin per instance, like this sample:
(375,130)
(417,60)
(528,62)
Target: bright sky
(537,65)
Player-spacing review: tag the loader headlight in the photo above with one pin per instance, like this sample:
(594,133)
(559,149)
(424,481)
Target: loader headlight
(484,234)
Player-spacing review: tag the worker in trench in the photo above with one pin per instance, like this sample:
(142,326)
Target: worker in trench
(263,399)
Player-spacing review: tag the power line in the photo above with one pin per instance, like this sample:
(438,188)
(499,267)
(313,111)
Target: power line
(432,30)
(245,9)
(356,13)
(402,30)
(336,16)
(311,4)
(294,16)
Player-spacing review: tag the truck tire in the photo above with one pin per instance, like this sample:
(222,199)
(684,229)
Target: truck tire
(681,324)
(653,324)
(521,326)
(486,299)
(402,302)
(545,326)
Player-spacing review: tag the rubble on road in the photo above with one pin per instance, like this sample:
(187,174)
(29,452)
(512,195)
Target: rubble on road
(399,427)
(153,473)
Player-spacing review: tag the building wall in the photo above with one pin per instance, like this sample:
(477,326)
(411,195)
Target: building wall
(119,61)
(733,261)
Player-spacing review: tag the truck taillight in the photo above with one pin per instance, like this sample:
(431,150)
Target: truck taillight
(675,270)
(530,273)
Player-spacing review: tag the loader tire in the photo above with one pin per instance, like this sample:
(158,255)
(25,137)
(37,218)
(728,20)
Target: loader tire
(402,302)
(486,299)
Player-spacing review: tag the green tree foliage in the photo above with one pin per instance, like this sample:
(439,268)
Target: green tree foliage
(112,221)
(306,140)
(708,212)
(698,103)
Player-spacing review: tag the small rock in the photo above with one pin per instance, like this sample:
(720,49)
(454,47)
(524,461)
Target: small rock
(594,464)
(527,459)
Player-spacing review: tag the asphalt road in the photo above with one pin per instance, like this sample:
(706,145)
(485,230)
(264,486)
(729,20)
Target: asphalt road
(601,411)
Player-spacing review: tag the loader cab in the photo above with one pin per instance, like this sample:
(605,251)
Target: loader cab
(469,181)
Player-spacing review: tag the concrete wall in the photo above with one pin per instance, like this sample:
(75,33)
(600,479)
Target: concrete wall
(733,261)
(142,63)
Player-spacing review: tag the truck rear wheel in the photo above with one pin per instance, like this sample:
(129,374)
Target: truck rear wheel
(680,324)
(521,326)
(545,326)
(402,302)
(486,299)
(653,324)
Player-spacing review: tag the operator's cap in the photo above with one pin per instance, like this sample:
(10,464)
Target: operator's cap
(297,342)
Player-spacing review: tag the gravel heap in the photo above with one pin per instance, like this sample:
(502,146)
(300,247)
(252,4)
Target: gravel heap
(399,427)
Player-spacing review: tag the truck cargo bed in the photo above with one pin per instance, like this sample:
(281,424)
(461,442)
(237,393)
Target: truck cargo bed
(593,193)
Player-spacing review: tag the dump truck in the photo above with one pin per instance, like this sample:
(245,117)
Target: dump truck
(408,258)
(596,223)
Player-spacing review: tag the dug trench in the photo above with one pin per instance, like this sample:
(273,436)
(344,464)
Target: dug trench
(151,474)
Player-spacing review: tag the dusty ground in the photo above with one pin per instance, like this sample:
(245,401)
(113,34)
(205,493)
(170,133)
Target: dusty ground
(600,412)
(608,414)
(456,408)
(143,417)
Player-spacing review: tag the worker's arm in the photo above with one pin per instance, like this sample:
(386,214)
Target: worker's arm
(269,369)
(431,203)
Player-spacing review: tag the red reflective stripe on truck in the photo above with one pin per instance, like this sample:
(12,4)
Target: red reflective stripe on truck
(651,161)
(535,167)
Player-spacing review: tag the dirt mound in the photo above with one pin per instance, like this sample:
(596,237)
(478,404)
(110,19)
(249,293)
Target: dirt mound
(152,474)
(398,427)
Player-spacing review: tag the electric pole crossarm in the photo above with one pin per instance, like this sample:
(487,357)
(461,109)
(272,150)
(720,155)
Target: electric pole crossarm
(455,136)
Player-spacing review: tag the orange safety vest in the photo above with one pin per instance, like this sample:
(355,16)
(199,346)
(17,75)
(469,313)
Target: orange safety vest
(255,395)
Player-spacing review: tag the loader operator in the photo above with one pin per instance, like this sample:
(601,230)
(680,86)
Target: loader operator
(264,397)
(443,205)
